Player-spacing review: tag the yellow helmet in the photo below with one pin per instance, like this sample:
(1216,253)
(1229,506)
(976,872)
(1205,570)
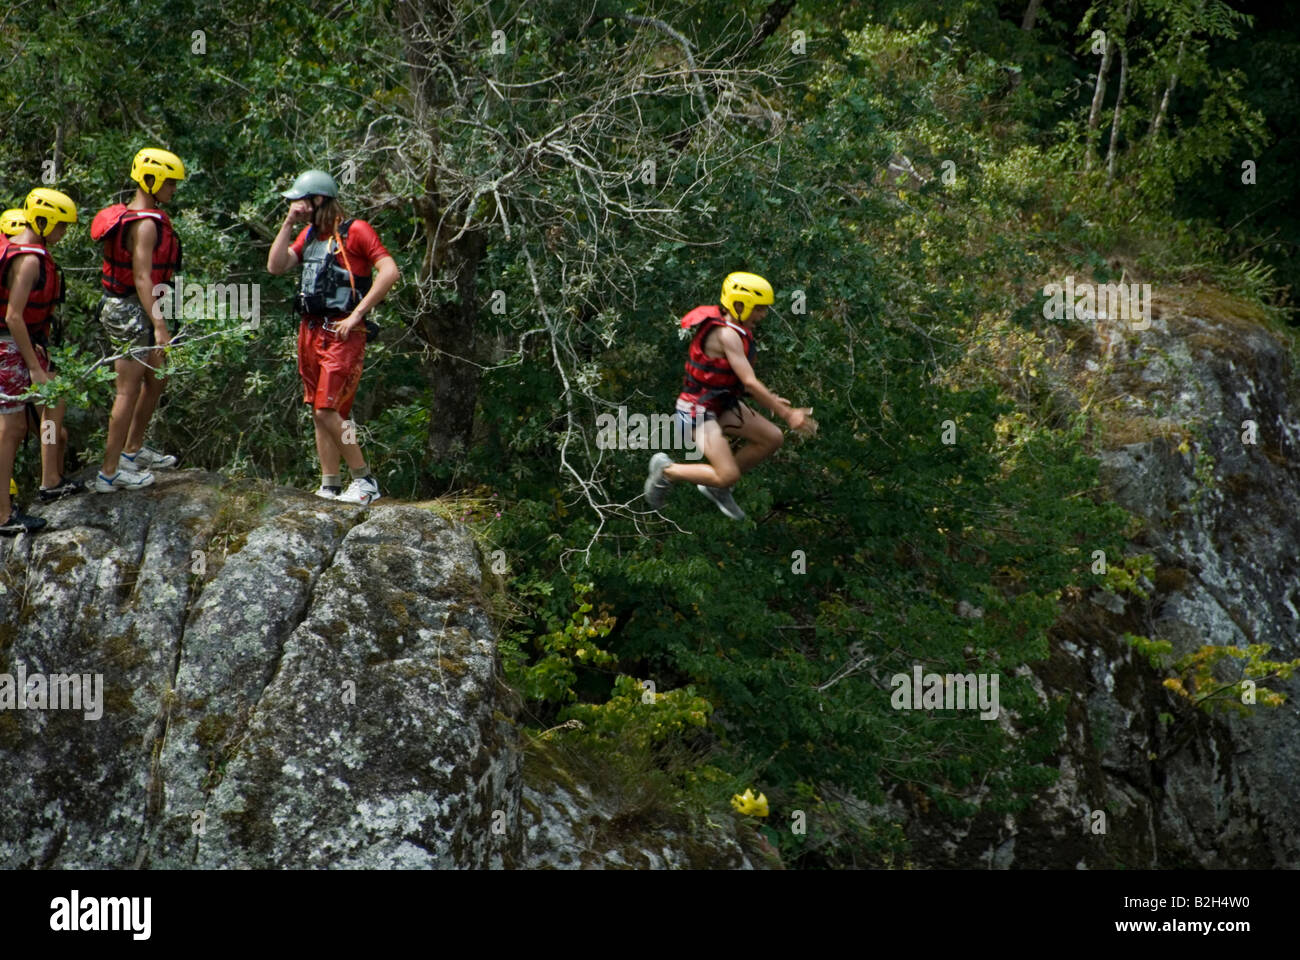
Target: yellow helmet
(46,208)
(749,289)
(13,222)
(159,165)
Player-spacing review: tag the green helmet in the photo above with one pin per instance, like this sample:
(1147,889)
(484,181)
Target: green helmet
(312,183)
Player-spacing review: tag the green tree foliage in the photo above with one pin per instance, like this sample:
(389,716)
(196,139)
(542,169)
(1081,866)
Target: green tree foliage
(556,204)
(1222,678)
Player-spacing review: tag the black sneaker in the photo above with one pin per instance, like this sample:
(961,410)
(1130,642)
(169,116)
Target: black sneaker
(20,522)
(64,488)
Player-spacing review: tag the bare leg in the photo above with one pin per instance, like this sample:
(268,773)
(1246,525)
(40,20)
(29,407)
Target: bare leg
(150,390)
(763,438)
(326,449)
(329,443)
(130,376)
(13,427)
(52,453)
(720,471)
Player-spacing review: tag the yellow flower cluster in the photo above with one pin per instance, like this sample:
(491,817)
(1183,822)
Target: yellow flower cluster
(747,803)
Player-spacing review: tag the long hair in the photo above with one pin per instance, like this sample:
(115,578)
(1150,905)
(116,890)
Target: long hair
(327,217)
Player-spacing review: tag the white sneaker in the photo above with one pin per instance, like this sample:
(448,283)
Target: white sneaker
(722,497)
(147,458)
(329,493)
(362,491)
(122,480)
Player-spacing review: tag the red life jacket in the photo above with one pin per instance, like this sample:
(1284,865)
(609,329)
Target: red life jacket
(110,226)
(45,295)
(710,381)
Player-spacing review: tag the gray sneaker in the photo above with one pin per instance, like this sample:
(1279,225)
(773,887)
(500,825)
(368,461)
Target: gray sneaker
(656,484)
(722,497)
(145,459)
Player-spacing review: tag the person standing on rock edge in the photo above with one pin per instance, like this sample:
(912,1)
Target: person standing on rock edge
(31,286)
(709,408)
(141,251)
(12,223)
(336,291)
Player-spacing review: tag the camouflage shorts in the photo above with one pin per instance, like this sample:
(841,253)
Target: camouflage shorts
(125,323)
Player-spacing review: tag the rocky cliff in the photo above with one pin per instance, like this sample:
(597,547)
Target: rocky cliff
(286,683)
(1215,501)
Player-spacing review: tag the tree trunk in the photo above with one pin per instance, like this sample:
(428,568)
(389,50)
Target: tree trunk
(1031,15)
(767,25)
(1027,25)
(771,19)
(1159,118)
(1098,95)
(1114,123)
(450,327)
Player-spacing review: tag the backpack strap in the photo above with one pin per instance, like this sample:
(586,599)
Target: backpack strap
(341,232)
(342,239)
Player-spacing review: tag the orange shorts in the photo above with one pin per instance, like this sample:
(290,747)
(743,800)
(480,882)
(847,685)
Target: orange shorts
(330,367)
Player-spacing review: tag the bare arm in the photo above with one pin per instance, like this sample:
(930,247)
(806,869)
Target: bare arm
(142,243)
(281,259)
(386,274)
(734,349)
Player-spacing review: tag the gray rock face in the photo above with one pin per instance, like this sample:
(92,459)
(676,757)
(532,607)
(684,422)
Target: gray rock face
(1177,788)
(287,683)
(1225,534)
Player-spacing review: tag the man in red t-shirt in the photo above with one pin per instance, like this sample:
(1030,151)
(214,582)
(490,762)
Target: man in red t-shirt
(346,272)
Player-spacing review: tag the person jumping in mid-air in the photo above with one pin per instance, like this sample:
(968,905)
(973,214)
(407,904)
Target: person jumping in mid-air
(719,373)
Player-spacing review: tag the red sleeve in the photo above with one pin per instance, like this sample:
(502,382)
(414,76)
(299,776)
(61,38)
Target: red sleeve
(364,246)
(299,242)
